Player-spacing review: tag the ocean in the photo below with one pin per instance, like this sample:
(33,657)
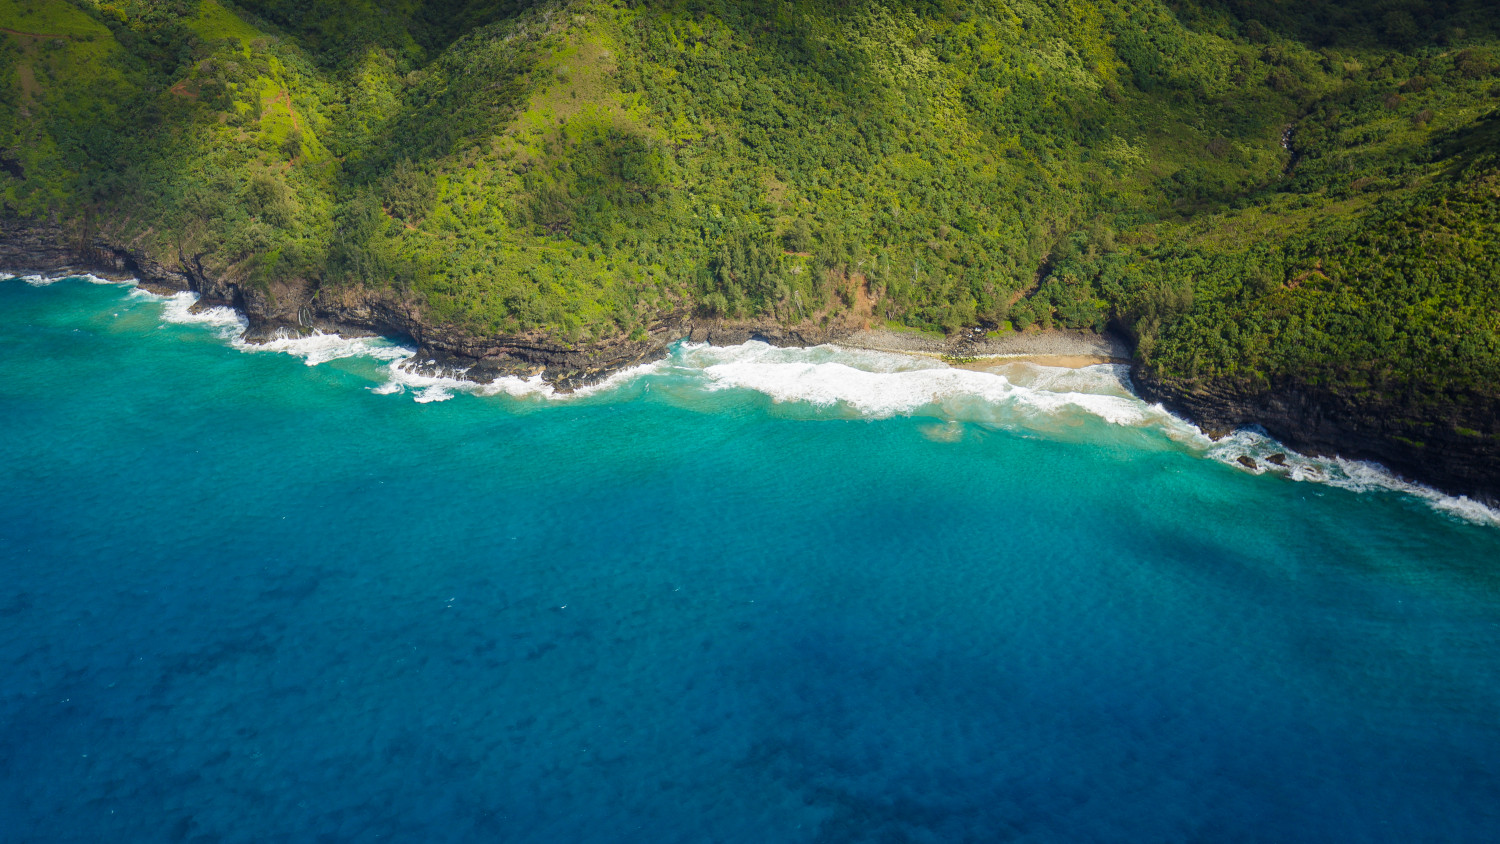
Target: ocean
(746,594)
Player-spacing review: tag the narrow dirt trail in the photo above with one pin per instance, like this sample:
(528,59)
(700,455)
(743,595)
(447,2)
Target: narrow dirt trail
(285,98)
(41,35)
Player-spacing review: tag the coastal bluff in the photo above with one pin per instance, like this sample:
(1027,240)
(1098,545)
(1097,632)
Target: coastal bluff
(1414,435)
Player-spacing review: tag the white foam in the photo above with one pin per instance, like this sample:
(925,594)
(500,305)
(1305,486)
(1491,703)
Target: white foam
(401,378)
(864,383)
(314,349)
(226,322)
(424,388)
(879,385)
(427,388)
(44,280)
(616,380)
(519,388)
(1352,475)
(319,348)
(93,279)
(1104,379)
(703,356)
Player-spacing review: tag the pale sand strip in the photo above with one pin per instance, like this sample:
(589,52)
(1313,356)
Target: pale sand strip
(1071,349)
(991,362)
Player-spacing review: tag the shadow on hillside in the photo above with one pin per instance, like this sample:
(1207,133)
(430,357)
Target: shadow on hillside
(334,30)
(1396,24)
(1466,145)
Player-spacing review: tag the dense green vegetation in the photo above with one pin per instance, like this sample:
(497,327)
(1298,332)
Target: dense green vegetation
(1254,189)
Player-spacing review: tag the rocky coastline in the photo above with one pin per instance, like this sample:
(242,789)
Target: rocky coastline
(300,308)
(1413,436)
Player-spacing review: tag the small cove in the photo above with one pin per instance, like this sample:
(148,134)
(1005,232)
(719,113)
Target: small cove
(746,594)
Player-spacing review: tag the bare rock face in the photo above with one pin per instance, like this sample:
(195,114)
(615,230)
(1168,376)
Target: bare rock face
(34,249)
(459,355)
(720,332)
(47,247)
(300,307)
(1448,441)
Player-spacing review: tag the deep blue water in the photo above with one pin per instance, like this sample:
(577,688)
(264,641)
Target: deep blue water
(245,599)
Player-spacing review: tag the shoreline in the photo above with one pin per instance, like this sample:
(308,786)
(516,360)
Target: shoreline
(1304,416)
(986,363)
(975,346)
(1063,348)
(1247,450)
(1056,348)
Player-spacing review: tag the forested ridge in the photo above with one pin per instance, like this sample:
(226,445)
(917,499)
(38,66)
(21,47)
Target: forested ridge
(1253,191)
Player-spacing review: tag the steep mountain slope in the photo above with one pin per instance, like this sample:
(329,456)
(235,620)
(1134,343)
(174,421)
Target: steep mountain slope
(1275,201)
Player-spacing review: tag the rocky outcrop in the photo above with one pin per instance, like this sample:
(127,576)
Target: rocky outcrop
(52,248)
(39,248)
(722,332)
(1451,442)
(299,307)
(1448,441)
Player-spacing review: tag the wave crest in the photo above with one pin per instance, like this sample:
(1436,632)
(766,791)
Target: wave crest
(1352,475)
(860,383)
(225,322)
(880,384)
(319,348)
(45,280)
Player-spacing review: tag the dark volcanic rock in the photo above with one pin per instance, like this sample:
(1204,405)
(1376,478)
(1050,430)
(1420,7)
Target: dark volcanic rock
(1448,441)
(1248,462)
(1277,459)
(50,248)
(733,332)
(297,307)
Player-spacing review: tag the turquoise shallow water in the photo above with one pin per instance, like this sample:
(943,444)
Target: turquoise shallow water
(246,599)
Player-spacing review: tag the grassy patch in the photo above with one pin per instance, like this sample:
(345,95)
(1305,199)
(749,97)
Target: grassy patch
(47,18)
(213,22)
(581,168)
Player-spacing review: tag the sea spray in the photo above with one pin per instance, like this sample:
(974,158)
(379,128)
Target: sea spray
(181,309)
(39,280)
(1352,475)
(1023,396)
(319,347)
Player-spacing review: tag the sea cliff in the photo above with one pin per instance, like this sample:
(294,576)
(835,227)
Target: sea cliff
(1412,434)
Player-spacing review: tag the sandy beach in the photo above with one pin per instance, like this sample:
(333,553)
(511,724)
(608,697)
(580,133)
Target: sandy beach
(1071,349)
(992,362)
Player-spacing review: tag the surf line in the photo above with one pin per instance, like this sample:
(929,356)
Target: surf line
(869,383)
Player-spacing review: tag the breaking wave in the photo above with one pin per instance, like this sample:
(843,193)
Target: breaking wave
(319,348)
(881,384)
(851,383)
(1271,457)
(314,349)
(44,280)
(858,383)
(179,309)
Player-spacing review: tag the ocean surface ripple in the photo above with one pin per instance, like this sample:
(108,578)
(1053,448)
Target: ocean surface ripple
(868,384)
(738,594)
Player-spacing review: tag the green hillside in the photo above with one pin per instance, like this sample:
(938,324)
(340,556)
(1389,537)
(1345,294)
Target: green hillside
(1252,189)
